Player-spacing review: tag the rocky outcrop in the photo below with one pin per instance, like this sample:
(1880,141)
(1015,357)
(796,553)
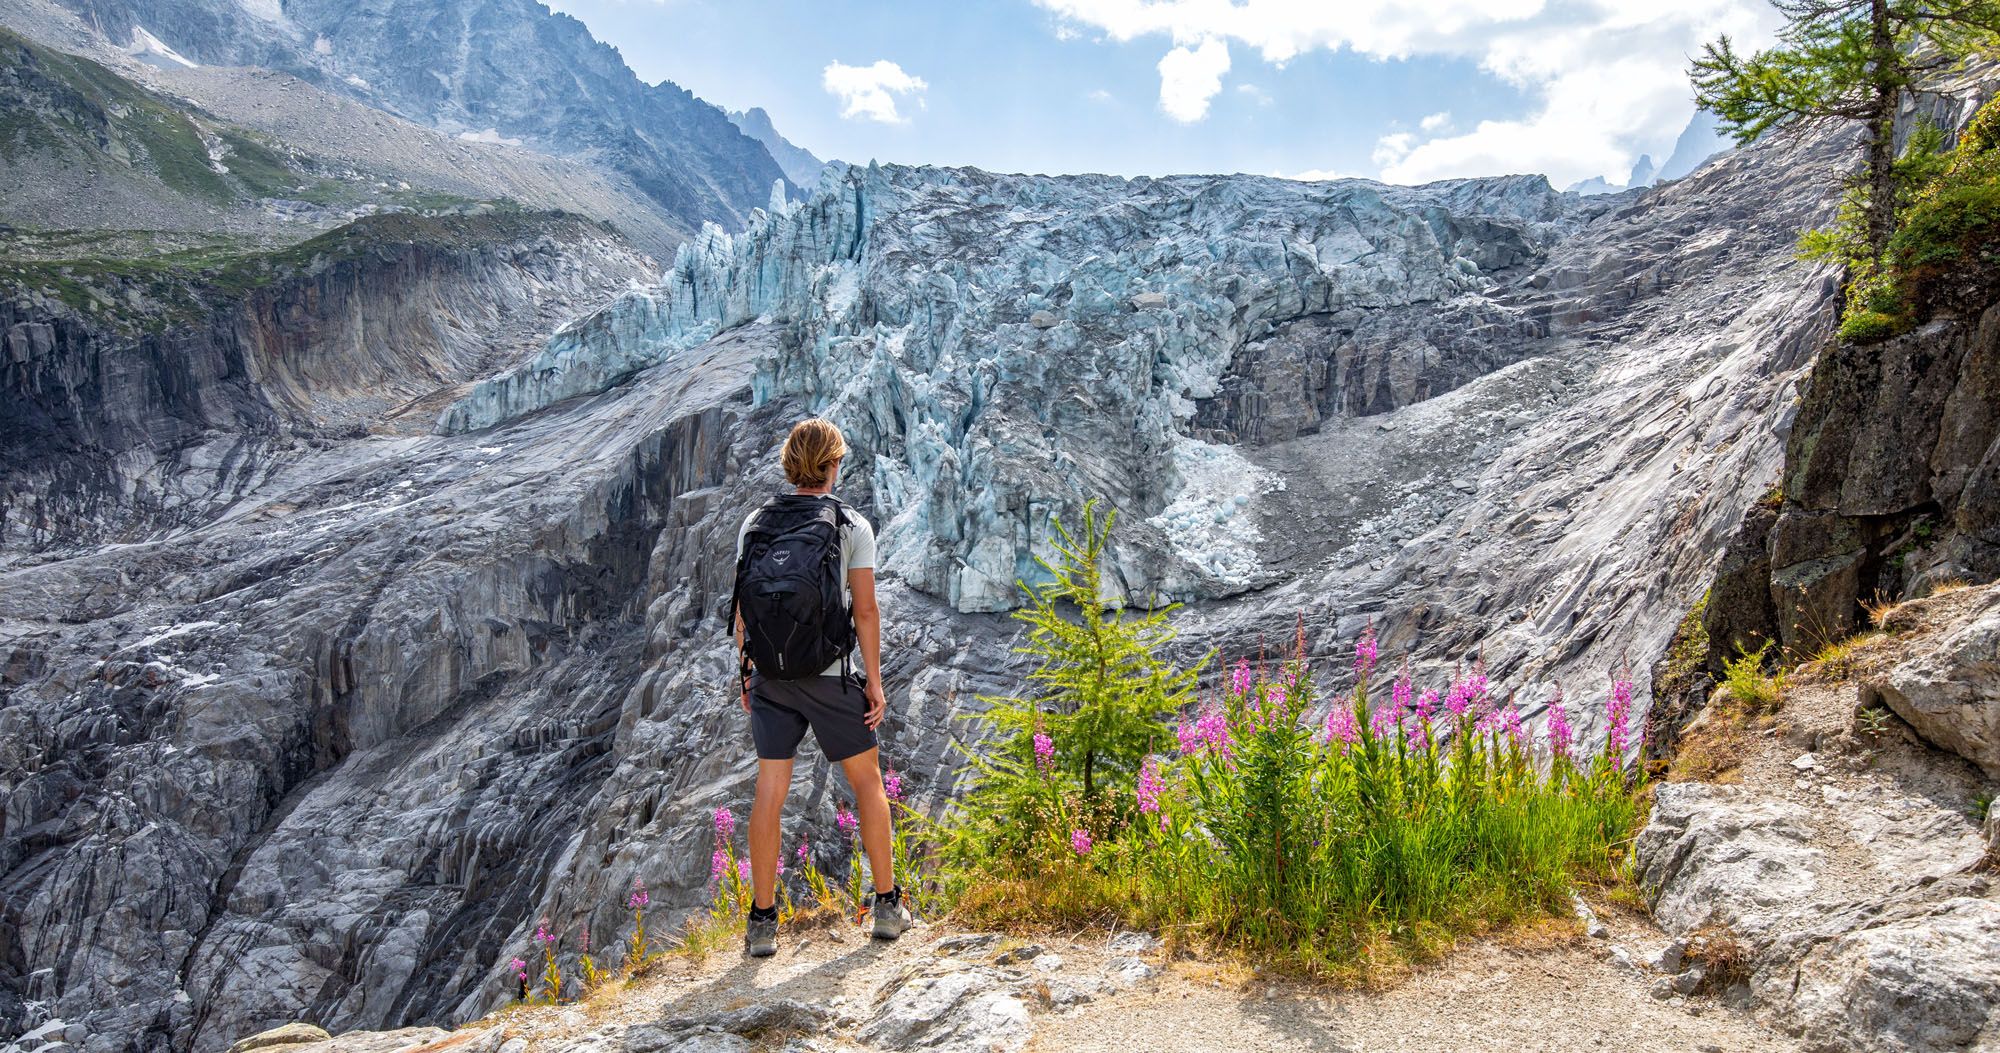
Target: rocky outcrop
(1888,489)
(1946,682)
(1840,879)
(142,398)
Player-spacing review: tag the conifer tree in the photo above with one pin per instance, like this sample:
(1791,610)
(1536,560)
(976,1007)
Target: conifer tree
(1842,61)
(1101,689)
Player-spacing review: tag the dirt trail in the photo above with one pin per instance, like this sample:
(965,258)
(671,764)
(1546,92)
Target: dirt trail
(1557,991)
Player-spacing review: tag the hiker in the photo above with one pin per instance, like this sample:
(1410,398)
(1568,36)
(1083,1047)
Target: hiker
(805,596)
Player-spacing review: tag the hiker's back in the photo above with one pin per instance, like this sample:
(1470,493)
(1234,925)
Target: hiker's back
(791,587)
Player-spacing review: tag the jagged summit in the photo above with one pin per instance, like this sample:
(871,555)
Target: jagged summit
(494,71)
(800,166)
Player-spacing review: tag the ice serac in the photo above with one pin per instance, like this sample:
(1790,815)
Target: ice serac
(1003,345)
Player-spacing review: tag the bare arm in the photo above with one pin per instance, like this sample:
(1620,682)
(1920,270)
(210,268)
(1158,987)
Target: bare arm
(868,632)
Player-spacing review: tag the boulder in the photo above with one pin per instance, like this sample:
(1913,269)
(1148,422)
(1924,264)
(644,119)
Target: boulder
(951,1007)
(1928,982)
(289,1034)
(1948,683)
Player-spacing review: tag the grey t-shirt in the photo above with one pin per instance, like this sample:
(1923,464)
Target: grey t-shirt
(857,552)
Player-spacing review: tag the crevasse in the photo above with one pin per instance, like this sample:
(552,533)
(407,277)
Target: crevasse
(1000,347)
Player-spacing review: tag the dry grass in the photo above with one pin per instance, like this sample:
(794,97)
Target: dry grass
(1947,587)
(1879,609)
(1714,747)
(1723,960)
(1838,661)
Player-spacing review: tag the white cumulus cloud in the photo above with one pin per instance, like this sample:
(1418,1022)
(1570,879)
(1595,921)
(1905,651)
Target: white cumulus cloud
(1190,76)
(1605,79)
(870,92)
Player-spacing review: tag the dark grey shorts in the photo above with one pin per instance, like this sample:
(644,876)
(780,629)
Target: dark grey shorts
(781,710)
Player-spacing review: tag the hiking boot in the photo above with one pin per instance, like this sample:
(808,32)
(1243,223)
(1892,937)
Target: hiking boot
(760,936)
(891,916)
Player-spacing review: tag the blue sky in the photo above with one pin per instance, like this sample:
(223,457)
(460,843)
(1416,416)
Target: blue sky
(1405,91)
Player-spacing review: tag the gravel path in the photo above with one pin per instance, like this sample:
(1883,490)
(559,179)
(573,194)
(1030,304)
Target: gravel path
(1554,991)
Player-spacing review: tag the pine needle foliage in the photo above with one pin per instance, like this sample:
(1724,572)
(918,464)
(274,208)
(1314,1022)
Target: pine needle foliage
(1101,690)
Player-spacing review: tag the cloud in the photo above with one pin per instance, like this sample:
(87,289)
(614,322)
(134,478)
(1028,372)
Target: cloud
(1392,148)
(869,92)
(1099,95)
(1436,122)
(1606,79)
(1189,77)
(1255,94)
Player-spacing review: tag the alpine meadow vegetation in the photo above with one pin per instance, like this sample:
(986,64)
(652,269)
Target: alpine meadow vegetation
(1337,833)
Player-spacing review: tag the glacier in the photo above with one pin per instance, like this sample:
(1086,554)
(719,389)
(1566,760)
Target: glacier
(1000,347)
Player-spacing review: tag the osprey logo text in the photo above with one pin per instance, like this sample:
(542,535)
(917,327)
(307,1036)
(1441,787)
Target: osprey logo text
(780,556)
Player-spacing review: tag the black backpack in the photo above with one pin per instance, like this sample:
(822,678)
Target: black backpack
(788,588)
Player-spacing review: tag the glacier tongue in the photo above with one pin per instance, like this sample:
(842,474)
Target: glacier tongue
(1000,347)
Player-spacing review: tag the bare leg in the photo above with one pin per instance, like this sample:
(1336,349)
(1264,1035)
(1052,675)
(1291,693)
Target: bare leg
(871,806)
(774,781)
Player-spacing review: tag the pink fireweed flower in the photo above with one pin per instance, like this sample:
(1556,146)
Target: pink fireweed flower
(743,870)
(1365,651)
(781,866)
(1239,680)
(725,824)
(520,968)
(1045,751)
(1617,738)
(586,939)
(543,935)
(1399,692)
(1213,725)
(804,853)
(1487,721)
(1510,722)
(1458,700)
(1340,727)
(1383,721)
(1560,734)
(1151,786)
(638,899)
(1477,686)
(1190,736)
(1079,839)
(893,784)
(1427,704)
(846,821)
(718,863)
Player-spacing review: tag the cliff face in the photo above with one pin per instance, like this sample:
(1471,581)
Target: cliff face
(1891,486)
(144,397)
(375,703)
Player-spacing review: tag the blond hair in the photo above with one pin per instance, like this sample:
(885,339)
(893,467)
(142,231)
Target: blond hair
(810,450)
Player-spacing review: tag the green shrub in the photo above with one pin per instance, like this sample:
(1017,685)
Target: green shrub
(1872,327)
(1747,683)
